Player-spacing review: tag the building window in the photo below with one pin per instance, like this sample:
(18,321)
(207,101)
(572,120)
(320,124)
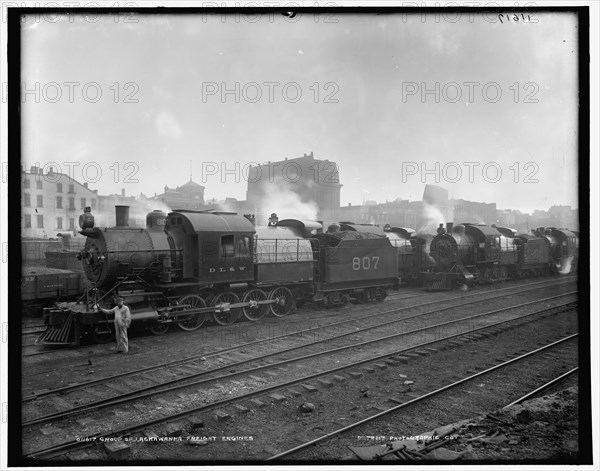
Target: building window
(59,223)
(71,188)
(71,203)
(59,202)
(71,223)
(40,221)
(93,204)
(26,183)
(40,201)
(82,203)
(38,184)
(59,187)
(26,199)
(28,220)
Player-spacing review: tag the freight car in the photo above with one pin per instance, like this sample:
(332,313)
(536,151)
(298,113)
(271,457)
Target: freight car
(187,266)
(42,286)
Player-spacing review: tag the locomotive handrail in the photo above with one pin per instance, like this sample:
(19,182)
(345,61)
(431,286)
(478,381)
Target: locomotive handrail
(144,250)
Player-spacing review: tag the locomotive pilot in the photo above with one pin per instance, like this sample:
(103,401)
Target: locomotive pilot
(122,323)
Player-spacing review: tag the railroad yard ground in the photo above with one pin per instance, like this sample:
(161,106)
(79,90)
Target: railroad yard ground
(318,372)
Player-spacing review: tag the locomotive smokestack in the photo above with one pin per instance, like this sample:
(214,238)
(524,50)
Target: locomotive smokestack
(449,227)
(122,216)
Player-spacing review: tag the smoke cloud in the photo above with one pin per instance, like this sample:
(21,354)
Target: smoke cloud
(278,198)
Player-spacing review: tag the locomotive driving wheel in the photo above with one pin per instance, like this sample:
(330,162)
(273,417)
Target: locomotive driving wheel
(255,311)
(284,301)
(226,315)
(195,320)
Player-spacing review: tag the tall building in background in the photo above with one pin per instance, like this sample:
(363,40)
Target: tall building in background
(315,182)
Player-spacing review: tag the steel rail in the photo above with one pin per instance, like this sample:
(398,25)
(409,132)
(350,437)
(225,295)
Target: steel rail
(543,387)
(173,386)
(74,444)
(195,357)
(418,399)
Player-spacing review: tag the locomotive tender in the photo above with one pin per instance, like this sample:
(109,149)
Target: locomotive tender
(186,266)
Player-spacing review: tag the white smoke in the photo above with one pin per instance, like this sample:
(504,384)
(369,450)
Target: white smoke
(434,218)
(139,210)
(565,265)
(279,199)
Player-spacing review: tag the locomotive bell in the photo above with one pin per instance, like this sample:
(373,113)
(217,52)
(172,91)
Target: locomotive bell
(86,220)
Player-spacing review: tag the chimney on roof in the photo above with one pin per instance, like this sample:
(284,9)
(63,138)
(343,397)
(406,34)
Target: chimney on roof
(41,171)
(122,191)
(33,169)
(85,184)
(51,170)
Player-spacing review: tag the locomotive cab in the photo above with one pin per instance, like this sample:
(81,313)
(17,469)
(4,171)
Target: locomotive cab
(218,246)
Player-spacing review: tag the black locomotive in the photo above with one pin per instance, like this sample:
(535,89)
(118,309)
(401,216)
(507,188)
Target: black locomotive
(467,254)
(187,266)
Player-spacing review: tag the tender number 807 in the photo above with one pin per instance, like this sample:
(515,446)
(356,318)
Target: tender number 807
(365,263)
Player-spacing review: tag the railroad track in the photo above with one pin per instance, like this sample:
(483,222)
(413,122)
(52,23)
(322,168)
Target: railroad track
(311,316)
(296,380)
(323,315)
(214,362)
(447,387)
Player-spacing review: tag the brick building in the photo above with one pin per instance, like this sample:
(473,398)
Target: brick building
(51,203)
(313,181)
(188,196)
(473,212)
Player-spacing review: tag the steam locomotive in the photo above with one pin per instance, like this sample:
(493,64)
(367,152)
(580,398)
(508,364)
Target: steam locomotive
(470,253)
(187,266)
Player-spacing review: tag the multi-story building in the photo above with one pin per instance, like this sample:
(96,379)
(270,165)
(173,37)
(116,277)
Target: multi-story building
(315,182)
(51,203)
(189,196)
(473,212)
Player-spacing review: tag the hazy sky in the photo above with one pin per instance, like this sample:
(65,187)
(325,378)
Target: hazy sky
(360,77)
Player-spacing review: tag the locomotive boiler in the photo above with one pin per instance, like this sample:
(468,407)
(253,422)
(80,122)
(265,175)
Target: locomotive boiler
(151,253)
